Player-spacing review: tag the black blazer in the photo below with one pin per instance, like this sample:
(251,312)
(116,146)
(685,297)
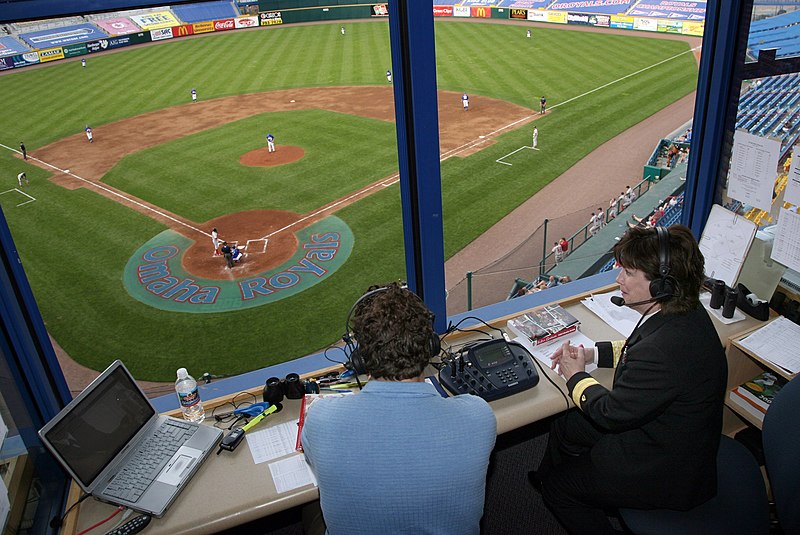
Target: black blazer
(663,418)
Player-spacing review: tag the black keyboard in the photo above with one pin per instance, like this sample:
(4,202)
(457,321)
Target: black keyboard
(153,454)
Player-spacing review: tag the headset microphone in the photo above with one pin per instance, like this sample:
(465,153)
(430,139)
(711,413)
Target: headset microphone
(620,302)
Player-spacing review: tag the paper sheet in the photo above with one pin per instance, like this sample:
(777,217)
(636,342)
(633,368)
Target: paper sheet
(792,192)
(622,319)
(776,342)
(542,352)
(786,247)
(725,242)
(291,473)
(754,168)
(272,442)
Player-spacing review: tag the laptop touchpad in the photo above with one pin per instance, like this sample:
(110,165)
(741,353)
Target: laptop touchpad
(179,466)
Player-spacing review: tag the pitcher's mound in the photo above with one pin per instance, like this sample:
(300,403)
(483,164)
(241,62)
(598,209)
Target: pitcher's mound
(263,158)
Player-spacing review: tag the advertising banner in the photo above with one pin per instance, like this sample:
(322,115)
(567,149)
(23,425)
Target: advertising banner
(537,15)
(28,58)
(11,47)
(203,27)
(648,25)
(270,18)
(623,23)
(62,36)
(671,9)
(557,17)
(693,28)
(160,35)
(118,26)
(461,11)
(481,12)
(380,10)
(182,30)
(607,7)
(479,2)
(245,22)
(51,54)
(670,26)
(224,25)
(70,51)
(156,20)
(578,18)
(6,63)
(116,42)
(442,11)
(520,14)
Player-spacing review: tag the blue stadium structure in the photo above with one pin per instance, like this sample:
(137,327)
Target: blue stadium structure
(781,32)
(190,13)
(772,108)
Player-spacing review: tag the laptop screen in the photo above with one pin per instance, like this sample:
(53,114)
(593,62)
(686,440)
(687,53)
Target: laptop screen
(101,422)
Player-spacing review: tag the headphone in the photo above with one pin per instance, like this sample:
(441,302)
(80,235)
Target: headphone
(355,361)
(664,287)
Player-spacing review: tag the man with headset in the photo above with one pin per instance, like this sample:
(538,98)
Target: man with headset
(398,457)
(651,442)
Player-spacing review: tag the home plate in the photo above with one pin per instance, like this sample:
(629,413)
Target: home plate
(291,101)
(481,137)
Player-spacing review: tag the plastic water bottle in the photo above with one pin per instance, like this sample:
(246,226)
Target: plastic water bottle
(189,397)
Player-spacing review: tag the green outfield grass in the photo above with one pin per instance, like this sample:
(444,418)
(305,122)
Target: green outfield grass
(74,244)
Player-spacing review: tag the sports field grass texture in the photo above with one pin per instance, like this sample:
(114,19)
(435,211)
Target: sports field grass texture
(74,244)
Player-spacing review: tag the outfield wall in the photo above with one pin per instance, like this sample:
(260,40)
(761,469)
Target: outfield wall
(279,12)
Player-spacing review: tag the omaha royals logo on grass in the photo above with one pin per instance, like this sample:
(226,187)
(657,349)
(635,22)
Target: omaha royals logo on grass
(155,276)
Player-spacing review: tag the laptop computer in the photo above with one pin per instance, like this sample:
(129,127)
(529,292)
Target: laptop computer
(117,447)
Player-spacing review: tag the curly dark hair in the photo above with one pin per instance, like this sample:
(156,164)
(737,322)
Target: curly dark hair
(394,329)
(639,249)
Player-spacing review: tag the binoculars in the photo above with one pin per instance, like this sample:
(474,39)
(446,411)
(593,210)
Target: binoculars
(291,387)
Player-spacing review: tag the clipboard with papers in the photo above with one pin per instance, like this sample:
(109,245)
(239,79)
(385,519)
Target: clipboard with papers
(725,242)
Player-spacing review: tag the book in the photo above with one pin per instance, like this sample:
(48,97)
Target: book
(760,390)
(544,324)
(745,405)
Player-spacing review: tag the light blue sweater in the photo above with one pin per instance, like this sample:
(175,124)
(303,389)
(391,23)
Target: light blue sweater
(398,458)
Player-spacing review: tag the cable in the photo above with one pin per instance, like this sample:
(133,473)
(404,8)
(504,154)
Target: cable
(112,515)
(56,522)
(547,376)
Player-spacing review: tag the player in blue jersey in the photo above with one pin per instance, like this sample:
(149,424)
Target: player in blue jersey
(465,101)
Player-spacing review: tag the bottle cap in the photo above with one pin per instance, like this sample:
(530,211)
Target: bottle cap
(182,373)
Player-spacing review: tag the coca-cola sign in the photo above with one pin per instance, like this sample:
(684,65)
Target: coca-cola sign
(222,25)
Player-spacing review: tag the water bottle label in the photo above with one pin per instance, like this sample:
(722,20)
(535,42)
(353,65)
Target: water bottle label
(189,399)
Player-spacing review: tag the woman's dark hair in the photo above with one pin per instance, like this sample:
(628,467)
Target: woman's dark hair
(394,329)
(639,249)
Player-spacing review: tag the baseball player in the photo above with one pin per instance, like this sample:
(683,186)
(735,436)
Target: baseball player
(194,95)
(535,137)
(465,101)
(89,134)
(389,75)
(215,240)
(542,105)
(83,62)
(22,177)
(342,30)
(23,150)
(271,143)
(529,33)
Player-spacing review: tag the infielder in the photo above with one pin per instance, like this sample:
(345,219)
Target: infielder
(542,105)
(465,101)
(215,240)
(194,95)
(22,177)
(535,137)
(89,134)
(271,143)
(389,75)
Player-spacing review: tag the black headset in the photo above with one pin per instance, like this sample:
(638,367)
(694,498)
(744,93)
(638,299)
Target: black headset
(663,287)
(355,361)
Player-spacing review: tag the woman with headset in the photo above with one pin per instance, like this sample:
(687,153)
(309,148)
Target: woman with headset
(651,441)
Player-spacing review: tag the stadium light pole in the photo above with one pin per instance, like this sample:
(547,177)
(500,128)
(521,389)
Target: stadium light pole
(417,120)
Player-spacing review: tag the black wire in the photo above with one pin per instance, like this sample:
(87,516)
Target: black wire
(57,521)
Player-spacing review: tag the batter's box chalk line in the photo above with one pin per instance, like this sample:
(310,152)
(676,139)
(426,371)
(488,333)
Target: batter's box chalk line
(500,160)
(30,199)
(258,246)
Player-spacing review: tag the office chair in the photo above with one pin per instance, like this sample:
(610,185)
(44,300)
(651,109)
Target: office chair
(740,505)
(781,435)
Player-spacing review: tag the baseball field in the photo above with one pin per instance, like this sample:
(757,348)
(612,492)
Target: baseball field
(114,235)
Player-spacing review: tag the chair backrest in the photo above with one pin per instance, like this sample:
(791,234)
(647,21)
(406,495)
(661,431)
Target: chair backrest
(740,505)
(781,437)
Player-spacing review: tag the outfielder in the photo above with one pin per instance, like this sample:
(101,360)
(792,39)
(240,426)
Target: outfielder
(271,143)
(529,34)
(83,62)
(342,30)
(194,95)
(465,101)
(89,134)
(535,137)
(389,75)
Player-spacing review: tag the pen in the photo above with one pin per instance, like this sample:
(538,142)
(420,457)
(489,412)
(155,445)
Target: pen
(339,390)
(343,385)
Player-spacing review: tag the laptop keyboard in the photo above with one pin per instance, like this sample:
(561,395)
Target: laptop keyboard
(154,453)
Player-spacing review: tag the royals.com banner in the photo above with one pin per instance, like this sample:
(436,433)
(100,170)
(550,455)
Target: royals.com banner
(54,37)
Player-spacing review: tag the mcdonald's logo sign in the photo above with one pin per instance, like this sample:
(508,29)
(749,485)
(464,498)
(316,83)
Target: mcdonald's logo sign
(182,31)
(481,12)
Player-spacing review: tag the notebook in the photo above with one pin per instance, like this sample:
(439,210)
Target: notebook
(118,448)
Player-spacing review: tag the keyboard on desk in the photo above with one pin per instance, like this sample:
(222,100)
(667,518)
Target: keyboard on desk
(145,465)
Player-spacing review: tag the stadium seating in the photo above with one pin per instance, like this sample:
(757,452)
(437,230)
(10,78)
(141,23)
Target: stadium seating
(206,11)
(772,108)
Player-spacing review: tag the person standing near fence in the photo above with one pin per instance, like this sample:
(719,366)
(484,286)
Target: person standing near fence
(564,245)
(558,253)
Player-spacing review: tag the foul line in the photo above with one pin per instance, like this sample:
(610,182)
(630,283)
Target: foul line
(112,192)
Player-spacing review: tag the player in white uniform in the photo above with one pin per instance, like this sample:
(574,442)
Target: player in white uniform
(389,75)
(271,143)
(89,134)
(83,62)
(529,34)
(194,95)
(22,177)
(465,101)
(215,240)
(535,137)
(342,30)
